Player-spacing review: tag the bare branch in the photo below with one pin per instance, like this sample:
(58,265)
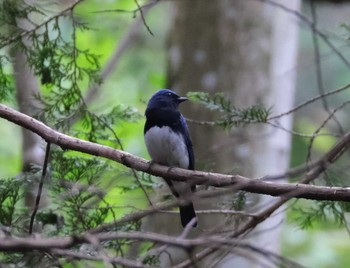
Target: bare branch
(195,177)
(113,260)
(59,245)
(321,96)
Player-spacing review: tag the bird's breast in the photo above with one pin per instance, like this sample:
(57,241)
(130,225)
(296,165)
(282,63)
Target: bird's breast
(167,147)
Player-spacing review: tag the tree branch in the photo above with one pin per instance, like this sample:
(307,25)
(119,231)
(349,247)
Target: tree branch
(113,260)
(195,177)
(61,245)
(22,244)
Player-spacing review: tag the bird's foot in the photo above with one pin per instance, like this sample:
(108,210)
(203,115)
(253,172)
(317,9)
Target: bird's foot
(151,163)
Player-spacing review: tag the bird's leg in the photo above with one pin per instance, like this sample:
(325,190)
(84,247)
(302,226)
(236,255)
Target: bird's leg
(169,169)
(151,163)
(172,188)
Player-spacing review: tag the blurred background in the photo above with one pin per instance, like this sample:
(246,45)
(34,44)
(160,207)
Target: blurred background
(145,58)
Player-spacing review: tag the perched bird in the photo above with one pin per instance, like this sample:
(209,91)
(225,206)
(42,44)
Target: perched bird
(168,142)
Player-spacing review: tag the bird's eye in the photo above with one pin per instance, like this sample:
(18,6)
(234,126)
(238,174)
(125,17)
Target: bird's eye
(169,94)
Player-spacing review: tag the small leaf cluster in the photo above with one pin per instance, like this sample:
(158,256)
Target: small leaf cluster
(6,81)
(12,10)
(63,68)
(230,115)
(77,191)
(10,34)
(322,212)
(10,195)
(101,127)
(51,52)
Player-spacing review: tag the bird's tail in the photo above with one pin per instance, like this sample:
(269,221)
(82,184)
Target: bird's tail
(187,213)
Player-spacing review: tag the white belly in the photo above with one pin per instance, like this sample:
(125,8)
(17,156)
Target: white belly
(166,147)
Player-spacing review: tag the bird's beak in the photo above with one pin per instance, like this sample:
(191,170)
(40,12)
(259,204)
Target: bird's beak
(182,99)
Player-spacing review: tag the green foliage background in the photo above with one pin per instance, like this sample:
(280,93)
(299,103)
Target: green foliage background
(116,117)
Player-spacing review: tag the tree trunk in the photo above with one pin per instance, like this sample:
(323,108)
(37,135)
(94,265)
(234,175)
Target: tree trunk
(246,49)
(27,87)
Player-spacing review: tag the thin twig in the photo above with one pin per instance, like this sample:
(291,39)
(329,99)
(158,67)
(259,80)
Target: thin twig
(319,80)
(330,116)
(306,20)
(40,187)
(143,18)
(123,45)
(321,96)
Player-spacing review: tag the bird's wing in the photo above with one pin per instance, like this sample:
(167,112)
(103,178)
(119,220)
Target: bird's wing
(188,142)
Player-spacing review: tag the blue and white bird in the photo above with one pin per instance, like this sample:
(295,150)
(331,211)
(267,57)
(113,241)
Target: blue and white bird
(169,143)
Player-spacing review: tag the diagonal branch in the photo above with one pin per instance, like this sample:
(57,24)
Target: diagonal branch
(195,177)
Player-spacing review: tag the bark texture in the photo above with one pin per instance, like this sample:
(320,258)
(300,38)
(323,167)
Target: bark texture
(246,49)
(27,90)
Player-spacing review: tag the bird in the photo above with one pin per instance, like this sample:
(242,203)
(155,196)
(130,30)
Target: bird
(168,142)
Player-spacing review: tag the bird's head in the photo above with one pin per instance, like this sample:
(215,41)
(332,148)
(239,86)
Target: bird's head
(165,98)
